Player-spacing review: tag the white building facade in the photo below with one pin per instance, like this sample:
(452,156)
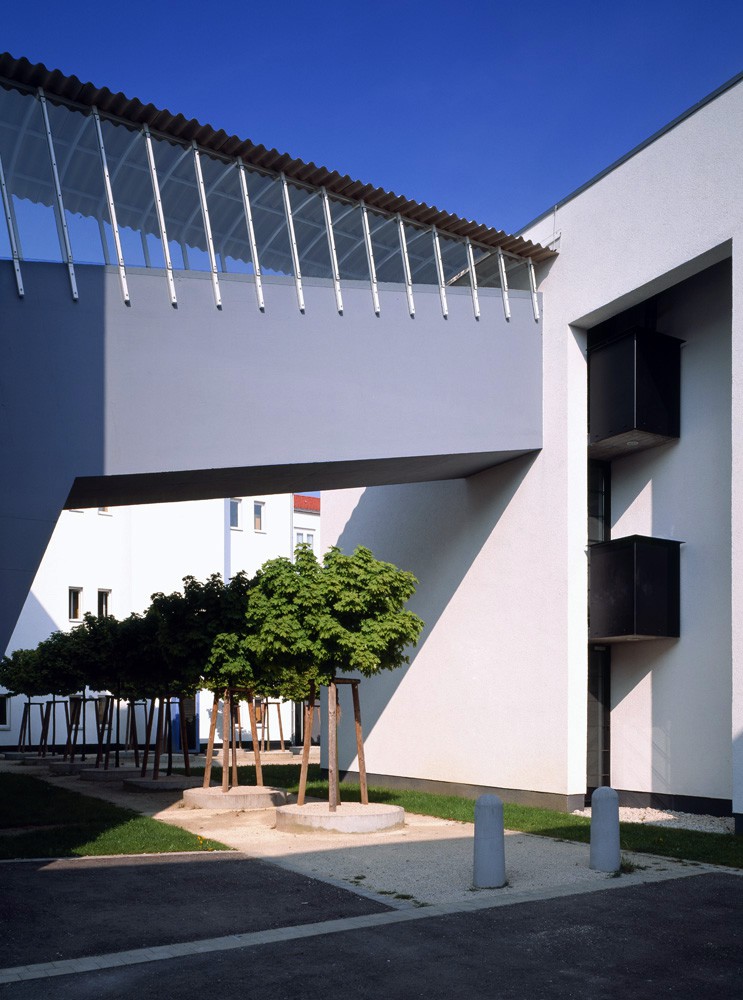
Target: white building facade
(111,560)
(653,245)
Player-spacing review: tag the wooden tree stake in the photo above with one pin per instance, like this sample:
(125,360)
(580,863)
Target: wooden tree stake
(158,739)
(254,735)
(309,715)
(210,744)
(333,796)
(184,735)
(233,722)
(360,744)
(226,723)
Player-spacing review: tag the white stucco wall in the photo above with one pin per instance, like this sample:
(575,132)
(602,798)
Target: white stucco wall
(497,691)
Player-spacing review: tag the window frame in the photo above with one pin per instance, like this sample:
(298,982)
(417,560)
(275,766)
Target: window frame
(75,594)
(107,592)
(237,502)
(258,518)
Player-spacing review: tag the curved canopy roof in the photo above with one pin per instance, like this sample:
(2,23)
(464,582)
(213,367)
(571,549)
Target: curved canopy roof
(176,126)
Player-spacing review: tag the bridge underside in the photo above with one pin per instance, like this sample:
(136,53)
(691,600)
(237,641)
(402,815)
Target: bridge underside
(203,484)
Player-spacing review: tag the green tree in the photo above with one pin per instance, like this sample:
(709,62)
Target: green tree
(281,637)
(364,626)
(188,622)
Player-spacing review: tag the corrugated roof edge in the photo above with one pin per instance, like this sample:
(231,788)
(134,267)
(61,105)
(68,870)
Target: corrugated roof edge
(729,84)
(56,83)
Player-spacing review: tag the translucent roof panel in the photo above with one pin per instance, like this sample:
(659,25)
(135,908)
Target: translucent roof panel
(81,179)
(454,259)
(311,233)
(184,222)
(386,245)
(28,176)
(269,222)
(133,195)
(421,255)
(227,215)
(348,233)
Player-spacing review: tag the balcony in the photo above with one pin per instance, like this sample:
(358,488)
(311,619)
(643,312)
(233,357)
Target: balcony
(634,394)
(634,589)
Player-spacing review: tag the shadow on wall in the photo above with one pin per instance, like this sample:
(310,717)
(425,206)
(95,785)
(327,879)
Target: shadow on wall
(34,625)
(52,387)
(436,531)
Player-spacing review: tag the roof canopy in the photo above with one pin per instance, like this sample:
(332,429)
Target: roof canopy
(131,110)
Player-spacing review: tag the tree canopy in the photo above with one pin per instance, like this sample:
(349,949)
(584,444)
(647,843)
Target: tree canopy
(308,621)
(295,624)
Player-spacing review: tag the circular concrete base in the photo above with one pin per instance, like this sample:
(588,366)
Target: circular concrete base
(70,766)
(350,817)
(112,774)
(241,797)
(163,783)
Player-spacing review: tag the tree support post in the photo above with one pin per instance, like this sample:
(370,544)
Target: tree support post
(254,737)
(210,744)
(363,788)
(226,724)
(149,717)
(333,794)
(309,715)
(234,715)
(184,734)
(158,738)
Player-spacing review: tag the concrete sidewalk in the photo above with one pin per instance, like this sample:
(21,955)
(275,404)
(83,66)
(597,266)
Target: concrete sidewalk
(303,915)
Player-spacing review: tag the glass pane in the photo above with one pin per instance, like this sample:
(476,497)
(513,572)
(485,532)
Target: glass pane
(386,245)
(269,222)
(486,265)
(227,215)
(311,233)
(420,255)
(184,222)
(83,191)
(5,251)
(348,233)
(132,190)
(28,175)
(454,260)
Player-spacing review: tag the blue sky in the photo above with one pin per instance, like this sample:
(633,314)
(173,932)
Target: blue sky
(491,110)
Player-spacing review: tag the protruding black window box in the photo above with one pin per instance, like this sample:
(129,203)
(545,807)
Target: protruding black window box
(634,394)
(634,589)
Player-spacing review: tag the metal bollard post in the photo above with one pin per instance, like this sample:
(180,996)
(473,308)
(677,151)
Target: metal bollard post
(490,853)
(605,853)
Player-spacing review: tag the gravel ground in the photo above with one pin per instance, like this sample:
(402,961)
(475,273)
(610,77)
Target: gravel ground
(680,820)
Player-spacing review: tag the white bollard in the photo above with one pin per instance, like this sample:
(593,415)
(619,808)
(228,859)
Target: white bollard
(605,853)
(490,852)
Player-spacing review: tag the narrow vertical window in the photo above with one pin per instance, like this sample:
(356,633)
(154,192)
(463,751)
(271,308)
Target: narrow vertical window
(300,538)
(4,711)
(235,512)
(258,516)
(74,603)
(103,603)
(310,539)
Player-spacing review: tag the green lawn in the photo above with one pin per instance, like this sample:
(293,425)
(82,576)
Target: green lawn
(688,845)
(39,820)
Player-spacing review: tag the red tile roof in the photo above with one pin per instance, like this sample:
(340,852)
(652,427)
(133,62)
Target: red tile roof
(311,504)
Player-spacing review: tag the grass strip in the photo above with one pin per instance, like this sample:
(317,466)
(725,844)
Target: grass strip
(53,822)
(683,845)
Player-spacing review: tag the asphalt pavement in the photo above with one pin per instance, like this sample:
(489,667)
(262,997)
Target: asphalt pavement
(189,926)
